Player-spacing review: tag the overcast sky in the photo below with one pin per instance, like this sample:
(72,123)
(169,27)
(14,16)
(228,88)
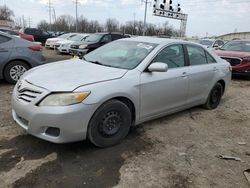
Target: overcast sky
(214,17)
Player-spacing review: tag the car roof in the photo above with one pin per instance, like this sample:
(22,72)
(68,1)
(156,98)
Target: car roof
(210,39)
(6,34)
(242,40)
(154,40)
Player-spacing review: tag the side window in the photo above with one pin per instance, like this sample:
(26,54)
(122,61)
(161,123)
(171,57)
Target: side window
(106,39)
(172,55)
(116,37)
(37,32)
(29,31)
(210,59)
(196,55)
(220,43)
(4,39)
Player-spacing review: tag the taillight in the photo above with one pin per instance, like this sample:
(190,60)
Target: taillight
(36,48)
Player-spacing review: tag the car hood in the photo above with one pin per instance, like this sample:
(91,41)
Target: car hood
(83,43)
(223,53)
(55,39)
(71,74)
(65,42)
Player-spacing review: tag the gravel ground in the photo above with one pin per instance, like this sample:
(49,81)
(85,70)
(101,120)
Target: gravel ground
(179,150)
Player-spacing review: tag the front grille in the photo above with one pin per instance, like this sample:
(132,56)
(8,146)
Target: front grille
(27,95)
(233,61)
(75,46)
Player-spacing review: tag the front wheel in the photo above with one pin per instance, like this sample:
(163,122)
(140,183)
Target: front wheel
(110,124)
(214,97)
(14,70)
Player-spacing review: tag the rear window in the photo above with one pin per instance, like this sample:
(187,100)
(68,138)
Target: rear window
(9,32)
(4,39)
(239,46)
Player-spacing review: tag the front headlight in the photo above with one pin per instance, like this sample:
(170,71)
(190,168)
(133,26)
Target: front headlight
(64,99)
(247,59)
(83,46)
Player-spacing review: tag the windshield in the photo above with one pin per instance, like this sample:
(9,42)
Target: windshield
(239,46)
(94,38)
(77,37)
(121,54)
(64,36)
(206,42)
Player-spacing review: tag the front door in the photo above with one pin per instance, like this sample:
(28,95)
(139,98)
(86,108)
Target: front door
(162,92)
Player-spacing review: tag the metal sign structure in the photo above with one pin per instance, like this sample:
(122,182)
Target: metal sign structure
(165,8)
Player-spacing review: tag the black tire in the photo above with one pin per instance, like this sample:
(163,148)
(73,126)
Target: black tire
(15,65)
(110,124)
(214,97)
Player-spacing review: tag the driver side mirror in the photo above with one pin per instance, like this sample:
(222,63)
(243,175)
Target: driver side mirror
(216,46)
(158,67)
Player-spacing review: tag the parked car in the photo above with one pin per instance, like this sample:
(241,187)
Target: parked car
(50,43)
(93,42)
(212,43)
(17,56)
(18,34)
(237,53)
(116,86)
(64,45)
(39,35)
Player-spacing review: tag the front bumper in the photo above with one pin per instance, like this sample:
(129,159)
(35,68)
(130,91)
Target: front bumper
(243,73)
(71,121)
(63,50)
(79,52)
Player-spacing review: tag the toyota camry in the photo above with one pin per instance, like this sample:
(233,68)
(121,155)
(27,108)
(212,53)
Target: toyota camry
(119,85)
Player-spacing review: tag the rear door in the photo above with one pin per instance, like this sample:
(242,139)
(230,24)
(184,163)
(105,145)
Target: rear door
(6,45)
(201,74)
(162,92)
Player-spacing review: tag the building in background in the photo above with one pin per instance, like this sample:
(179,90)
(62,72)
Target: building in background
(5,24)
(233,36)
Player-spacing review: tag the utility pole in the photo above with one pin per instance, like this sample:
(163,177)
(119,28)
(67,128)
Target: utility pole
(29,21)
(145,16)
(76,2)
(134,25)
(54,11)
(23,22)
(50,15)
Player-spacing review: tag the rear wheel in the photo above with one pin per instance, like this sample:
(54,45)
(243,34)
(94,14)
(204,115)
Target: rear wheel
(14,70)
(110,124)
(214,97)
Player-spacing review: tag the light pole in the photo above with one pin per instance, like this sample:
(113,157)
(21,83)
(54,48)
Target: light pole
(145,16)
(50,15)
(76,2)
(134,24)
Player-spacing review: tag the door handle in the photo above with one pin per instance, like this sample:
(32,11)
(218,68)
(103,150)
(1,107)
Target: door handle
(184,75)
(215,69)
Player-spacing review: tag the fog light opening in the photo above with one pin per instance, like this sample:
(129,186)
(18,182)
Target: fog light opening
(52,131)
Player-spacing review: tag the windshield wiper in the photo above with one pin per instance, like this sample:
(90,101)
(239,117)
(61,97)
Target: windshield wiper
(99,63)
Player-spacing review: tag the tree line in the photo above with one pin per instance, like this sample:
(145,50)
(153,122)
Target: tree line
(6,13)
(67,23)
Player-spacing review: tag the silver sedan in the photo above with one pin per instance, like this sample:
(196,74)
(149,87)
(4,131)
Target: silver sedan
(119,85)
